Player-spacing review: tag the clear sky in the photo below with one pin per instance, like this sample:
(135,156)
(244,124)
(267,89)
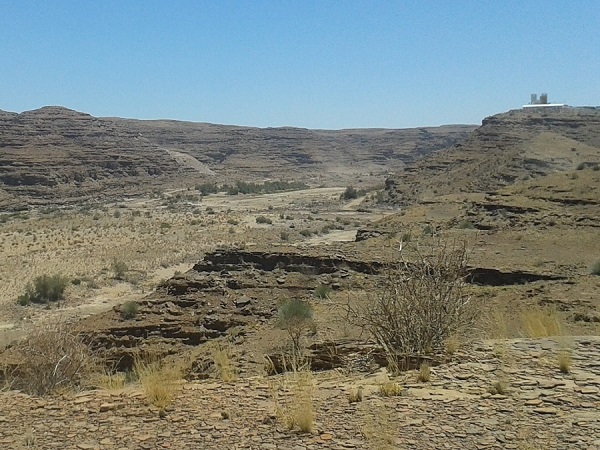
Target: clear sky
(315,64)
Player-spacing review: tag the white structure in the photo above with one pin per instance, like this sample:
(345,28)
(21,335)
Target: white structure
(542,102)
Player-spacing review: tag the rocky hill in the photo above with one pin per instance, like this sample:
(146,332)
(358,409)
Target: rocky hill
(516,145)
(53,154)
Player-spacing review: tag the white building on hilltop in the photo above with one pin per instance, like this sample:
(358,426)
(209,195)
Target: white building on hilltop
(542,102)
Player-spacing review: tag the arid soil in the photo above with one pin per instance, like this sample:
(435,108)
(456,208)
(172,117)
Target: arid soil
(208,274)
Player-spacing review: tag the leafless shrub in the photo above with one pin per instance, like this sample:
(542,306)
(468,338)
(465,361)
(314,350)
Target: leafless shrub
(421,303)
(53,357)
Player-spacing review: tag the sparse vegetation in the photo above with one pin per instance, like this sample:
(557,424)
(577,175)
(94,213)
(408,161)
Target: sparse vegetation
(322,291)
(390,389)
(421,304)
(295,317)
(129,309)
(44,289)
(541,322)
(595,270)
(564,361)
(424,374)
(119,268)
(499,387)
(52,358)
(159,380)
(224,368)
(356,395)
(263,220)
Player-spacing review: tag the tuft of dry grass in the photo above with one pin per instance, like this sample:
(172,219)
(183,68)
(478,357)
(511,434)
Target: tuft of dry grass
(564,361)
(504,322)
(356,395)
(296,412)
(424,374)
(29,438)
(452,345)
(158,380)
(499,387)
(224,367)
(379,429)
(541,322)
(390,389)
(108,380)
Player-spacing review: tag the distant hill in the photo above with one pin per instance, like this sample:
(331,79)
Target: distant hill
(514,146)
(54,154)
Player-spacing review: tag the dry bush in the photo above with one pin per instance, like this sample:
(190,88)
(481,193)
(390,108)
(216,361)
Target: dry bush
(421,303)
(159,381)
(53,357)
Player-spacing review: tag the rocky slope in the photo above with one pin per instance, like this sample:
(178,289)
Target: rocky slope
(508,147)
(54,153)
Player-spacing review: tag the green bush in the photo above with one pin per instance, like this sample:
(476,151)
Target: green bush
(119,267)
(465,225)
(44,289)
(263,219)
(350,193)
(322,291)
(129,309)
(295,316)
(596,268)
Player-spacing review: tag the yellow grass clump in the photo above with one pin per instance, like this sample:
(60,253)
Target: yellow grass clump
(159,381)
(224,367)
(296,411)
(541,322)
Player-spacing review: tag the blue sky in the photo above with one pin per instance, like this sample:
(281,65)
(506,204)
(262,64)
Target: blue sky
(315,64)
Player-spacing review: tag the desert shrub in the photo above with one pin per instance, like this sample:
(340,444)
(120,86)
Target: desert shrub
(595,270)
(428,230)
(263,219)
(53,357)
(306,233)
(284,235)
(349,194)
(119,268)
(420,303)
(465,225)
(129,309)
(322,291)
(295,316)
(233,221)
(44,289)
